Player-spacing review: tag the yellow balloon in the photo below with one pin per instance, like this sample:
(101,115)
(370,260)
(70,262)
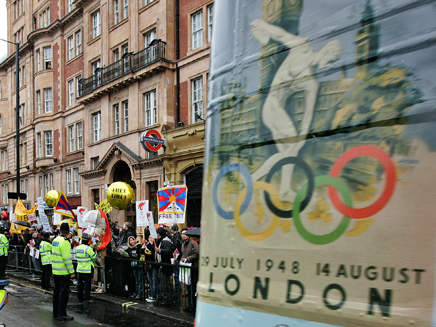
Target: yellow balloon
(52,198)
(120,195)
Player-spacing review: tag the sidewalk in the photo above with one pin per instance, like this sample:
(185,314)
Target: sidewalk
(167,313)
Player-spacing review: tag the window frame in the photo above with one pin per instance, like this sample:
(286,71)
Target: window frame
(96,127)
(71,92)
(48,105)
(95,24)
(196,100)
(150,110)
(48,143)
(197,29)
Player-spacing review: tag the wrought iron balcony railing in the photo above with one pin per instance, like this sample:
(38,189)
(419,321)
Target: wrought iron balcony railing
(130,62)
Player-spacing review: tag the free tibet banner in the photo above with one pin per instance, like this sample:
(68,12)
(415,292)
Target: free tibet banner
(318,198)
(172,204)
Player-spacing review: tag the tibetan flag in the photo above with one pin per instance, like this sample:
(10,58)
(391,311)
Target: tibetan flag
(64,208)
(176,254)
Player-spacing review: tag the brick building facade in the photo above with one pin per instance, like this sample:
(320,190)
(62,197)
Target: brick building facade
(94,75)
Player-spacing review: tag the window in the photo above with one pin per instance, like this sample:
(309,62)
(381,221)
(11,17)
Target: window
(70,92)
(116,54)
(39,144)
(48,138)
(21,111)
(146,2)
(38,102)
(4,159)
(44,18)
(197,100)
(116,12)
(125,51)
(46,185)
(51,182)
(150,108)
(79,128)
(0,90)
(148,37)
(70,47)
(96,24)
(69,188)
(78,85)
(20,83)
(70,5)
(117,119)
(1,124)
(41,187)
(38,60)
(94,162)
(78,42)
(47,58)
(96,120)
(26,187)
(197,30)
(71,138)
(209,22)
(96,71)
(47,100)
(23,154)
(125,9)
(76,180)
(126,116)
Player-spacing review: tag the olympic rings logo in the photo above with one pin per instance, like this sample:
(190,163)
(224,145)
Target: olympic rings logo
(304,195)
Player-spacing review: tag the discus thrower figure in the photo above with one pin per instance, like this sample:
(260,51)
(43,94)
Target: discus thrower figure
(295,74)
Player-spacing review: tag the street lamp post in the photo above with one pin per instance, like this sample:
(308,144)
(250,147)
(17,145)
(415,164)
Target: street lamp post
(17,114)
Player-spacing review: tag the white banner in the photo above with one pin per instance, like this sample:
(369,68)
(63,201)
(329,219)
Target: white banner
(171,218)
(57,217)
(141,213)
(151,224)
(44,221)
(81,211)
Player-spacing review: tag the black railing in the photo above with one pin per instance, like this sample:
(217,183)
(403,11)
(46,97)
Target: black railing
(170,287)
(130,62)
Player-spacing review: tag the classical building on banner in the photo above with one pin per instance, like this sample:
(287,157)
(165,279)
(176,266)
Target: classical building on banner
(93,76)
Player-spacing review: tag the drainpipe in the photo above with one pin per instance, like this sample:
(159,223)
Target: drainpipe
(177,59)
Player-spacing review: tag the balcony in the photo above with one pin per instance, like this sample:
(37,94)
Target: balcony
(130,63)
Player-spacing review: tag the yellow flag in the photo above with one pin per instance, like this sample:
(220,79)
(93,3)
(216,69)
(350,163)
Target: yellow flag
(105,206)
(20,209)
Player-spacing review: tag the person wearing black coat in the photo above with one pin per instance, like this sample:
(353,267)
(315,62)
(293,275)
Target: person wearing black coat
(152,270)
(135,250)
(164,253)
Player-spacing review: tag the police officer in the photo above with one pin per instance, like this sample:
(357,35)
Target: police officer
(62,268)
(85,256)
(4,249)
(45,253)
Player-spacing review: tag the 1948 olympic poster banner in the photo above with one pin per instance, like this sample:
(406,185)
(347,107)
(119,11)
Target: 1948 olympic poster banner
(319,197)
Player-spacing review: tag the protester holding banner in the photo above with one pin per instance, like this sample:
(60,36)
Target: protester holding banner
(191,254)
(135,250)
(152,269)
(164,253)
(33,245)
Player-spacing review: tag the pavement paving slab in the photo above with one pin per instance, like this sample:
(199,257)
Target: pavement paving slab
(168,313)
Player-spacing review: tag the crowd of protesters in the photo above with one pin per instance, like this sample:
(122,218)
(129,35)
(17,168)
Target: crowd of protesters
(155,263)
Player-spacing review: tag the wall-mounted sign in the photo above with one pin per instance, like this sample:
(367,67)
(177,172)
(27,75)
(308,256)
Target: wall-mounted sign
(151,140)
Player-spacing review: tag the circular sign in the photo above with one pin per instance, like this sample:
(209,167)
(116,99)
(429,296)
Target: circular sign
(151,140)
